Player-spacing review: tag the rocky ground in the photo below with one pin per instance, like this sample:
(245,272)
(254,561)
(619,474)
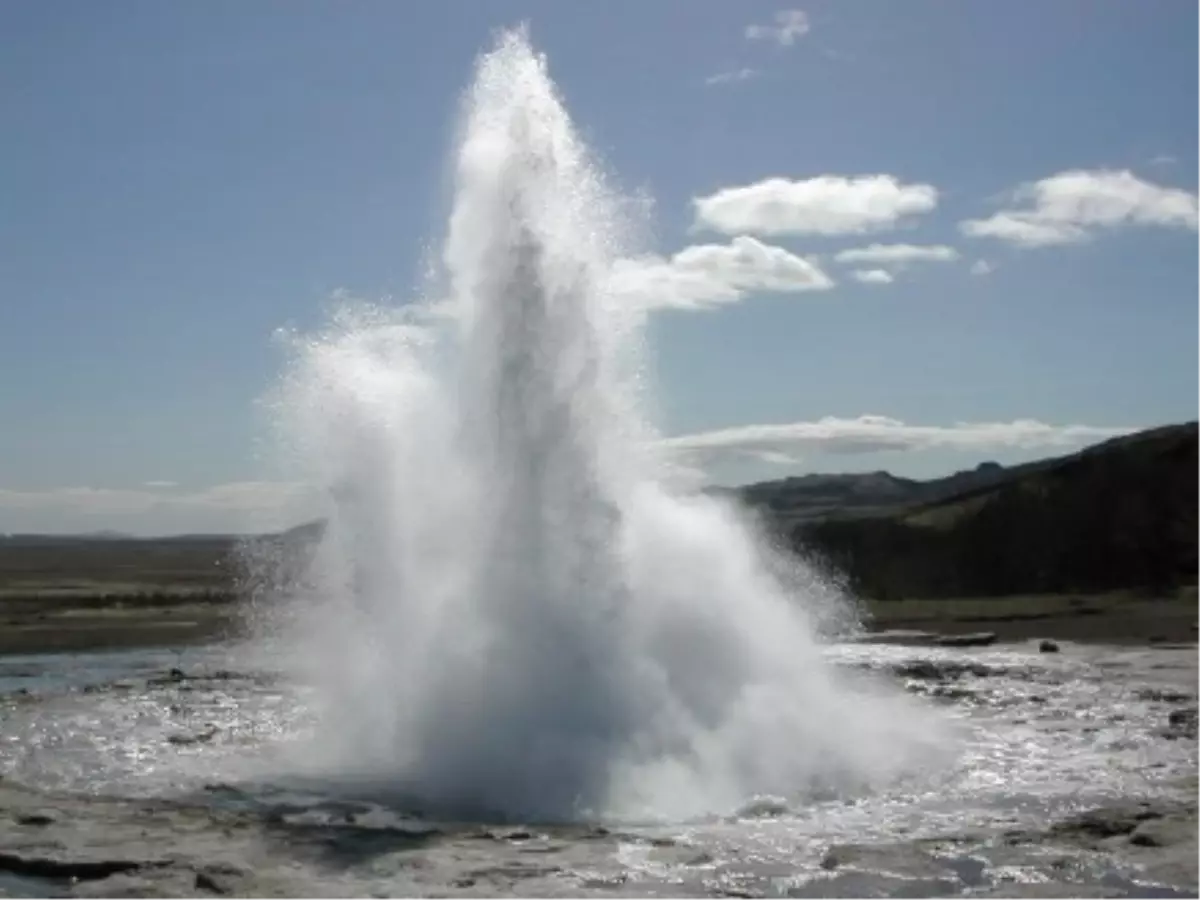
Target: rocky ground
(62,845)
(1081,783)
(1115,618)
(75,622)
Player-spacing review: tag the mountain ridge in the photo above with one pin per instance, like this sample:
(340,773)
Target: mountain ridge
(1115,515)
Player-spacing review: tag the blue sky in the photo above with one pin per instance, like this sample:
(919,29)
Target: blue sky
(181,179)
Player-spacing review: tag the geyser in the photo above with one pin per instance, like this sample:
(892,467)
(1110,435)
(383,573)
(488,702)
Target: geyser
(512,612)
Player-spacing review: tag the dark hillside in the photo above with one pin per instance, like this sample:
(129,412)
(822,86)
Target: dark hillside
(807,498)
(1118,515)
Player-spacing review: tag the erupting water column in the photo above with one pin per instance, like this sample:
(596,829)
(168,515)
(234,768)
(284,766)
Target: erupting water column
(511,613)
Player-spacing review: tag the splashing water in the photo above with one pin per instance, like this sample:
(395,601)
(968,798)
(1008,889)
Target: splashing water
(511,612)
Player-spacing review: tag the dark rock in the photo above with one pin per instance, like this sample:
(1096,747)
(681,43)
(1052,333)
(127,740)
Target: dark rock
(952,694)
(904,860)
(1142,838)
(1011,888)
(500,835)
(1047,646)
(761,808)
(1182,717)
(201,738)
(904,637)
(515,871)
(36,820)
(65,870)
(941,670)
(979,639)
(1106,822)
(1162,695)
(1182,722)
(218,879)
(173,676)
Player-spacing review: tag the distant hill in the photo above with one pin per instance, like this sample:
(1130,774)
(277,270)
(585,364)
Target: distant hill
(115,537)
(804,498)
(1121,514)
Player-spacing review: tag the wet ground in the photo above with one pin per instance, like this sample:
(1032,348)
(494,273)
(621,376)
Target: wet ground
(148,773)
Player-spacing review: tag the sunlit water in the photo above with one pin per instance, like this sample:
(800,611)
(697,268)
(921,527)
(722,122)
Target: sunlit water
(1043,736)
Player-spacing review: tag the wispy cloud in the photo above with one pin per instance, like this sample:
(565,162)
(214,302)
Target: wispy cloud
(873,434)
(707,275)
(267,505)
(785,27)
(982,267)
(155,507)
(158,484)
(826,204)
(732,76)
(1071,207)
(873,276)
(897,254)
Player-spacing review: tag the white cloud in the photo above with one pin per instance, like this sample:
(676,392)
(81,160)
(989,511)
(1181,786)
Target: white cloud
(265,505)
(732,76)
(776,459)
(1164,159)
(707,275)
(872,434)
(1070,207)
(827,204)
(158,484)
(982,267)
(785,27)
(873,276)
(897,254)
(752,265)
(156,509)
(1024,229)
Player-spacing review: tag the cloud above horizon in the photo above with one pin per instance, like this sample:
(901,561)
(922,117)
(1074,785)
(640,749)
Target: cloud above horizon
(875,434)
(732,76)
(268,505)
(1073,206)
(234,506)
(897,254)
(703,276)
(824,205)
(873,276)
(785,26)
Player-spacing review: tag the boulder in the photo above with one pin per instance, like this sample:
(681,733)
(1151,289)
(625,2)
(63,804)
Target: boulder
(1182,722)
(979,639)
(941,670)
